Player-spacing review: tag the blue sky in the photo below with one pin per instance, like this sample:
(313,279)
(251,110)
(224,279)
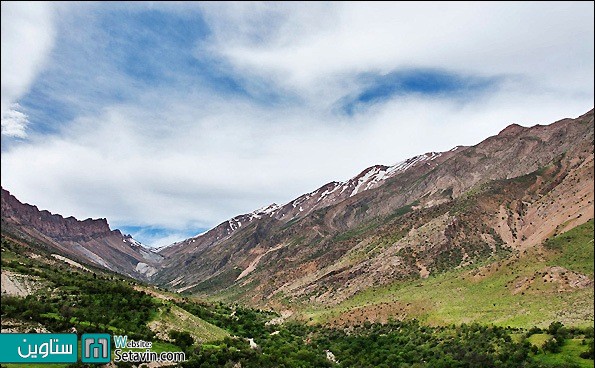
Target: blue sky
(378,88)
(168,119)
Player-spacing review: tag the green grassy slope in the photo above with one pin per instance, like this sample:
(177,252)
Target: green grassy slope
(172,317)
(516,291)
(90,301)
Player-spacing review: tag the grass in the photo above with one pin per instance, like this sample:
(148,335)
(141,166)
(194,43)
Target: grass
(488,295)
(539,339)
(569,356)
(575,249)
(173,317)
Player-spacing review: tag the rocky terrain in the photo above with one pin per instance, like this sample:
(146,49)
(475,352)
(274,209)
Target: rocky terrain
(89,241)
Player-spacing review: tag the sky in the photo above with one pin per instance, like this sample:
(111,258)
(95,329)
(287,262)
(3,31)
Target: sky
(170,118)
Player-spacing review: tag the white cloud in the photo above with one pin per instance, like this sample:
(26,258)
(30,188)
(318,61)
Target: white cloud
(14,122)
(135,166)
(317,52)
(27,38)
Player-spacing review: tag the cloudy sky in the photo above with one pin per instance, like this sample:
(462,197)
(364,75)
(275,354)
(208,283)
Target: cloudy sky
(168,119)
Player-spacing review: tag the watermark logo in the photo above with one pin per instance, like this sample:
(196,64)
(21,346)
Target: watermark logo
(95,348)
(140,351)
(38,348)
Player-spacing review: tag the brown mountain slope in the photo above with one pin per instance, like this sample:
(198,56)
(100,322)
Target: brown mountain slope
(88,241)
(509,192)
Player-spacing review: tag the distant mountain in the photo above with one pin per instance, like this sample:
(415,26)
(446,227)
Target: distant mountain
(88,241)
(429,214)
(329,194)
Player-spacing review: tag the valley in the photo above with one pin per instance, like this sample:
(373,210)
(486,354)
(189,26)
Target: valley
(478,256)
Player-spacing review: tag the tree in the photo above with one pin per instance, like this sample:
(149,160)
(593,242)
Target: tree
(554,327)
(181,338)
(551,345)
(589,354)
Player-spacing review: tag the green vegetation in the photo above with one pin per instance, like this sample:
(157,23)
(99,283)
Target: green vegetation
(237,320)
(86,301)
(217,282)
(574,249)
(401,211)
(446,333)
(508,292)
(562,347)
(176,320)
(98,301)
(393,344)
(182,339)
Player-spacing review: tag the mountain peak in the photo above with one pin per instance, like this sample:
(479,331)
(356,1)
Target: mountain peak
(512,130)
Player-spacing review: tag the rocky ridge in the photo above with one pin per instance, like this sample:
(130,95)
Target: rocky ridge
(89,241)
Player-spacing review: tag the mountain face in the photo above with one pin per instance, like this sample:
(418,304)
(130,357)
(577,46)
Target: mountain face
(426,215)
(430,214)
(89,241)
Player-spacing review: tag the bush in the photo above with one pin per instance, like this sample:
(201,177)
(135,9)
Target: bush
(589,354)
(182,339)
(552,345)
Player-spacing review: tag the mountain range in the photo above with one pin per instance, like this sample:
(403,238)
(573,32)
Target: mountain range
(426,216)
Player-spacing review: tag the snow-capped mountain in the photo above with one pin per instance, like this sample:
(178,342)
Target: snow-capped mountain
(421,216)
(324,196)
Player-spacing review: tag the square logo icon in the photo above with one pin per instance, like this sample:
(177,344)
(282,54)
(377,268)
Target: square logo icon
(95,348)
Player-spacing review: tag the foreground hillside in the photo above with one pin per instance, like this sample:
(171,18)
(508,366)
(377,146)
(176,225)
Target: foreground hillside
(48,293)
(44,291)
(542,284)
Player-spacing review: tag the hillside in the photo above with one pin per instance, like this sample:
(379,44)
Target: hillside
(90,241)
(545,283)
(48,292)
(441,212)
(63,296)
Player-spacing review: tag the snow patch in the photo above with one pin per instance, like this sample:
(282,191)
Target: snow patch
(370,178)
(132,241)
